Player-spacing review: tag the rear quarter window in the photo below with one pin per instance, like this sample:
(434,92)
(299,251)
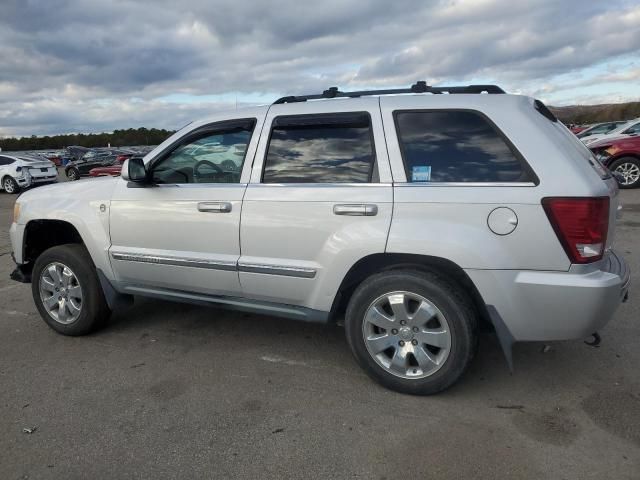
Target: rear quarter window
(457,146)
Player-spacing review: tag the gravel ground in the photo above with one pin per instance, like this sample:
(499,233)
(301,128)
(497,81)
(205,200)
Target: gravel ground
(178,391)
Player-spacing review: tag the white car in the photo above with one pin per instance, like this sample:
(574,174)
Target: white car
(21,172)
(632,127)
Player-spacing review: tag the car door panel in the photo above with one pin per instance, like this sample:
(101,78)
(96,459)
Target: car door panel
(296,247)
(180,236)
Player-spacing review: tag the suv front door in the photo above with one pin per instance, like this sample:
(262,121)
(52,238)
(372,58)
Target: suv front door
(181,233)
(320,199)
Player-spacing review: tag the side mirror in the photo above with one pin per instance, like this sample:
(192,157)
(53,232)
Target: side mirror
(133,170)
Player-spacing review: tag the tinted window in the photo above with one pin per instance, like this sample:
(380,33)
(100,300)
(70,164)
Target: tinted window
(455,146)
(210,157)
(4,161)
(633,129)
(335,148)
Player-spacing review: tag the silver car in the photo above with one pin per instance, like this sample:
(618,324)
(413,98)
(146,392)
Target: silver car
(412,216)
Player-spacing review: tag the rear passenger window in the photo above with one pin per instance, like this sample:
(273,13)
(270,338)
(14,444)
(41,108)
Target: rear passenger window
(456,146)
(330,148)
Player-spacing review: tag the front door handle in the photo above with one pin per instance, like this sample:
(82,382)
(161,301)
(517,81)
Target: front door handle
(360,209)
(214,207)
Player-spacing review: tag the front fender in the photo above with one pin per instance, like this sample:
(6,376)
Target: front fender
(83,204)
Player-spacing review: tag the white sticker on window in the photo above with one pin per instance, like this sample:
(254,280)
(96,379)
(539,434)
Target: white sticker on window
(421,174)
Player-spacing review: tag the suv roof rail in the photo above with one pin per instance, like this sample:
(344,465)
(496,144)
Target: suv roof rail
(418,87)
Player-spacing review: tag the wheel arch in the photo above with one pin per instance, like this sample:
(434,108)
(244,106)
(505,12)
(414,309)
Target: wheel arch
(380,262)
(620,156)
(40,235)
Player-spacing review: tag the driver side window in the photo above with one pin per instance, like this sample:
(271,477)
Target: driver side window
(633,129)
(215,155)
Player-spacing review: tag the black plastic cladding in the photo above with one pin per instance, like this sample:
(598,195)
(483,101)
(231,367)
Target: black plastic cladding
(418,87)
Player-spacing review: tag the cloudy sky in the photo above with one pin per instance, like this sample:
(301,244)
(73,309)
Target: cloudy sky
(81,66)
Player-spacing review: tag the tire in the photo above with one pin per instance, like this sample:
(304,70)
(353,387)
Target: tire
(85,309)
(73,174)
(10,186)
(628,170)
(445,317)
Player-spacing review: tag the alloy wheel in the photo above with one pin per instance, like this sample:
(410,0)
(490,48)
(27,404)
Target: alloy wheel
(629,173)
(60,293)
(406,334)
(9,185)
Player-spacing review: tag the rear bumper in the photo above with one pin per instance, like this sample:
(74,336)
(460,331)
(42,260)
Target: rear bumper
(546,306)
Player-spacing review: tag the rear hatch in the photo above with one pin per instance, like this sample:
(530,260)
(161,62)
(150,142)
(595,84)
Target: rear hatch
(585,155)
(39,168)
(576,150)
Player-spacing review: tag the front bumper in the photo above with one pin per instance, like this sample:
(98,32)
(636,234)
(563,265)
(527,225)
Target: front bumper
(16,234)
(547,306)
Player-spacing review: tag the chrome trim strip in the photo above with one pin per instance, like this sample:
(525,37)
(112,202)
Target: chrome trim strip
(300,272)
(464,184)
(175,261)
(318,185)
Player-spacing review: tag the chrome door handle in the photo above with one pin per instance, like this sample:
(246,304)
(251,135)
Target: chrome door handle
(214,207)
(360,209)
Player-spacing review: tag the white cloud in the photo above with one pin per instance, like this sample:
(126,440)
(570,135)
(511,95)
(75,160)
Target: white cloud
(77,64)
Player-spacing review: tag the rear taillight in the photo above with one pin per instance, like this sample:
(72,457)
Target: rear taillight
(581,225)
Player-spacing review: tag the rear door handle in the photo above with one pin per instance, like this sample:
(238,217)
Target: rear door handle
(360,209)
(214,207)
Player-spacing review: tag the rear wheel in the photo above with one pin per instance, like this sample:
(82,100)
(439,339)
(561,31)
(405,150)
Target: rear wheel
(67,292)
(628,172)
(10,185)
(414,332)
(73,174)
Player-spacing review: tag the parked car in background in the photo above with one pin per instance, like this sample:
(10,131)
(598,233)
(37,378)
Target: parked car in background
(21,172)
(76,152)
(632,127)
(577,128)
(621,155)
(600,128)
(113,170)
(92,159)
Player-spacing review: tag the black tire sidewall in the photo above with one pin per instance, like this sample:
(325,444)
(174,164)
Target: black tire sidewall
(622,160)
(73,174)
(449,299)
(95,310)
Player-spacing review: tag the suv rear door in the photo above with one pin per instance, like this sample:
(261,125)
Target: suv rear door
(320,199)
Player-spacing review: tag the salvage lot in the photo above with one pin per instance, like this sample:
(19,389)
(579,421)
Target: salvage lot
(171,390)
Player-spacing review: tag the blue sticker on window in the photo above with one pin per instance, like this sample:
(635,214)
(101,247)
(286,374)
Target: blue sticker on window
(421,174)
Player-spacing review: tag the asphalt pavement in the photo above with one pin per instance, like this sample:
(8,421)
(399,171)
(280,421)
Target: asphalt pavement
(180,391)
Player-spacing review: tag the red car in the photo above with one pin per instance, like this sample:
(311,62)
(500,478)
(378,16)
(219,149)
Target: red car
(112,170)
(621,155)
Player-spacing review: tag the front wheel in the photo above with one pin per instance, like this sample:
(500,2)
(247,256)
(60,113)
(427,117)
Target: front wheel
(413,332)
(627,171)
(10,185)
(67,292)
(73,174)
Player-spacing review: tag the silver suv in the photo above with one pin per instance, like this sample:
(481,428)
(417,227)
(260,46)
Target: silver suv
(414,217)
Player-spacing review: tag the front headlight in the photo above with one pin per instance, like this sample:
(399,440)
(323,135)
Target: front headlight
(16,212)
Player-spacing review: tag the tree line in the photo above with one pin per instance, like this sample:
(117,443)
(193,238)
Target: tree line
(117,138)
(582,114)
